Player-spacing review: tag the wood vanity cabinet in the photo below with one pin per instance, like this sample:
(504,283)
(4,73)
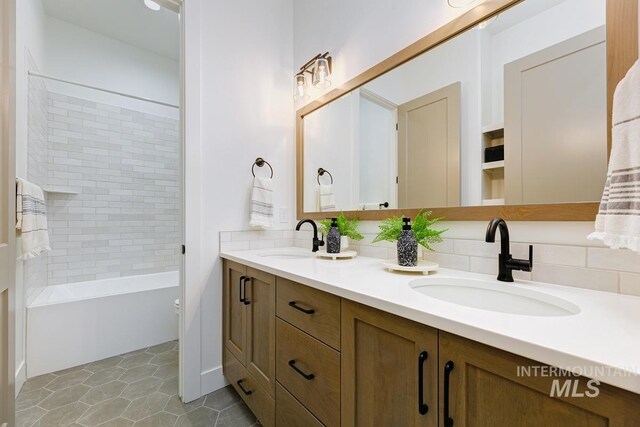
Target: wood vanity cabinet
(389,369)
(301,357)
(482,386)
(249,336)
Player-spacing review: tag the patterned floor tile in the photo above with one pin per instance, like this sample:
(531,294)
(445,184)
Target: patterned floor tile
(138,388)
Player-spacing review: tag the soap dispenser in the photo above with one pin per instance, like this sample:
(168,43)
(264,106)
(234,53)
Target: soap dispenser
(407,245)
(333,238)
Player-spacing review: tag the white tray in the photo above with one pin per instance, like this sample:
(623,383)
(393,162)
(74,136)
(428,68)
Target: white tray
(341,255)
(423,267)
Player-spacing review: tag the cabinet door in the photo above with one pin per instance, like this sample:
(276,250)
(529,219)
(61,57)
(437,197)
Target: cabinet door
(235,329)
(389,369)
(484,386)
(261,337)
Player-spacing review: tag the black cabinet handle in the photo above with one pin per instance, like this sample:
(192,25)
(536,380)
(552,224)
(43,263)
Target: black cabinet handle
(241,285)
(304,310)
(423,408)
(292,363)
(246,392)
(448,367)
(244,285)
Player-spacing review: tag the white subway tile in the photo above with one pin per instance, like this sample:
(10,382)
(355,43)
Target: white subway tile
(630,284)
(588,278)
(609,259)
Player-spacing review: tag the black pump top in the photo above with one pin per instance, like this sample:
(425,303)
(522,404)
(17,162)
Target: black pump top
(406,225)
(334,222)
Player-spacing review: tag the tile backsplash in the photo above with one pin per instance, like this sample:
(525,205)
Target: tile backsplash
(587,267)
(113,201)
(124,166)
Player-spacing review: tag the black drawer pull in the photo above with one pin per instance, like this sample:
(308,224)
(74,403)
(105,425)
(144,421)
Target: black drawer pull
(241,286)
(244,285)
(292,363)
(304,310)
(423,408)
(448,367)
(246,392)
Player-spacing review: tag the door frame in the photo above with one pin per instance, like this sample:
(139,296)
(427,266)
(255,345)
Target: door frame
(7,208)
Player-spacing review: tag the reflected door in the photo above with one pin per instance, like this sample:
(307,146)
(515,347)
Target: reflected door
(429,150)
(556,123)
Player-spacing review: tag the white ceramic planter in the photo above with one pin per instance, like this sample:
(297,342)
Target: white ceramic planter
(344,243)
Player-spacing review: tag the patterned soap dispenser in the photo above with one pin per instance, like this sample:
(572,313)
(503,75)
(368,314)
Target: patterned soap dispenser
(407,246)
(333,238)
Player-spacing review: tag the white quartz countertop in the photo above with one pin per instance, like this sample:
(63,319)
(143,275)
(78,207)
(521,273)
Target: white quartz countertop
(600,342)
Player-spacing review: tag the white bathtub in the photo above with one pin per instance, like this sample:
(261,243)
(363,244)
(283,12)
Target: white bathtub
(69,325)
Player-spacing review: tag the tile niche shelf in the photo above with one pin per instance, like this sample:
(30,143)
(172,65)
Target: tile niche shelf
(59,190)
(493,172)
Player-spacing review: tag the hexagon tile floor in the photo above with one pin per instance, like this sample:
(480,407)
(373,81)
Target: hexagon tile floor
(139,388)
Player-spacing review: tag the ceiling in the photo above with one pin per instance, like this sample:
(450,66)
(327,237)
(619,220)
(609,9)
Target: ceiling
(129,21)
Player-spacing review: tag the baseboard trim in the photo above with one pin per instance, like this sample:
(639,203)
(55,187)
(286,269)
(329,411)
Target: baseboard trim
(212,380)
(21,377)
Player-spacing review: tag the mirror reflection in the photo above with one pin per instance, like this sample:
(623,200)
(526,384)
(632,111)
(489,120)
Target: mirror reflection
(513,111)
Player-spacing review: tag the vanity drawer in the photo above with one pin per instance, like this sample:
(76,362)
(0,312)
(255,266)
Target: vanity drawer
(291,413)
(310,371)
(294,303)
(258,400)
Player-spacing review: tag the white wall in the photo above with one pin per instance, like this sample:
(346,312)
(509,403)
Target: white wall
(76,54)
(238,90)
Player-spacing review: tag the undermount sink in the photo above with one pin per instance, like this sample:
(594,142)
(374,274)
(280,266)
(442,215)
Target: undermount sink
(289,253)
(493,296)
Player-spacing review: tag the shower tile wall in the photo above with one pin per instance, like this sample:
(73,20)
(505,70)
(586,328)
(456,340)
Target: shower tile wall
(35,270)
(124,166)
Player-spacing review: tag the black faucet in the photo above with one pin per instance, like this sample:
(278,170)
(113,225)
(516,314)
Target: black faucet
(316,242)
(506,263)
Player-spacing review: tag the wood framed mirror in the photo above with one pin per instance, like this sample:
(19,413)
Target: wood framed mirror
(447,180)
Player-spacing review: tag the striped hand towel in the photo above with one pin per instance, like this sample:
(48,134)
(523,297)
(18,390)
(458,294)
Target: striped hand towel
(326,198)
(618,220)
(31,219)
(262,203)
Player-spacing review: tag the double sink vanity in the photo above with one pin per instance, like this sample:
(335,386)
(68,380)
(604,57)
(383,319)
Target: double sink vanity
(311,342)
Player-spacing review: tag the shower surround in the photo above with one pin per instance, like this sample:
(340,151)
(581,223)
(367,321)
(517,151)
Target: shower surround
(113,182)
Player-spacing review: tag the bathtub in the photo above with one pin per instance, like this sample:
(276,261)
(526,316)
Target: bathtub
(69,325)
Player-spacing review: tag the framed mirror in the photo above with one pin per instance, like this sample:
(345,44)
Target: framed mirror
(504,111)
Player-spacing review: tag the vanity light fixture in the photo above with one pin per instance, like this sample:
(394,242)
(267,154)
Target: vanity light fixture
(320,69)
(152,5)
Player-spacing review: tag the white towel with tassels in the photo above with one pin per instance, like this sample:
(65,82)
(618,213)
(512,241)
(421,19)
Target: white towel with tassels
(31,219)
(326,198)
(618,220)
(262,203)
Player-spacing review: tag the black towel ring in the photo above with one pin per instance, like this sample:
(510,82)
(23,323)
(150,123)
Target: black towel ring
(260,162)
(321,172)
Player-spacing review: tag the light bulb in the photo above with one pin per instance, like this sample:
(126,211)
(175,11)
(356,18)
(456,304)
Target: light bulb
(321,74)
(301,87)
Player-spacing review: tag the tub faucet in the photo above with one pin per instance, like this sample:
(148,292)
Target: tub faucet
(316,242)
(506,262)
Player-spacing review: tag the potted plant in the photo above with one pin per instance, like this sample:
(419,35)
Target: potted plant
(348,229)
(391,230)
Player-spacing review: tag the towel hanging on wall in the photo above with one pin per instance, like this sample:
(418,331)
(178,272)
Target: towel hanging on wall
(31,219)
(261,197)
(618,220)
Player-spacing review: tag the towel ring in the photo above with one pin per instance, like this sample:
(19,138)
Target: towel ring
(321,172)
(260,162)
